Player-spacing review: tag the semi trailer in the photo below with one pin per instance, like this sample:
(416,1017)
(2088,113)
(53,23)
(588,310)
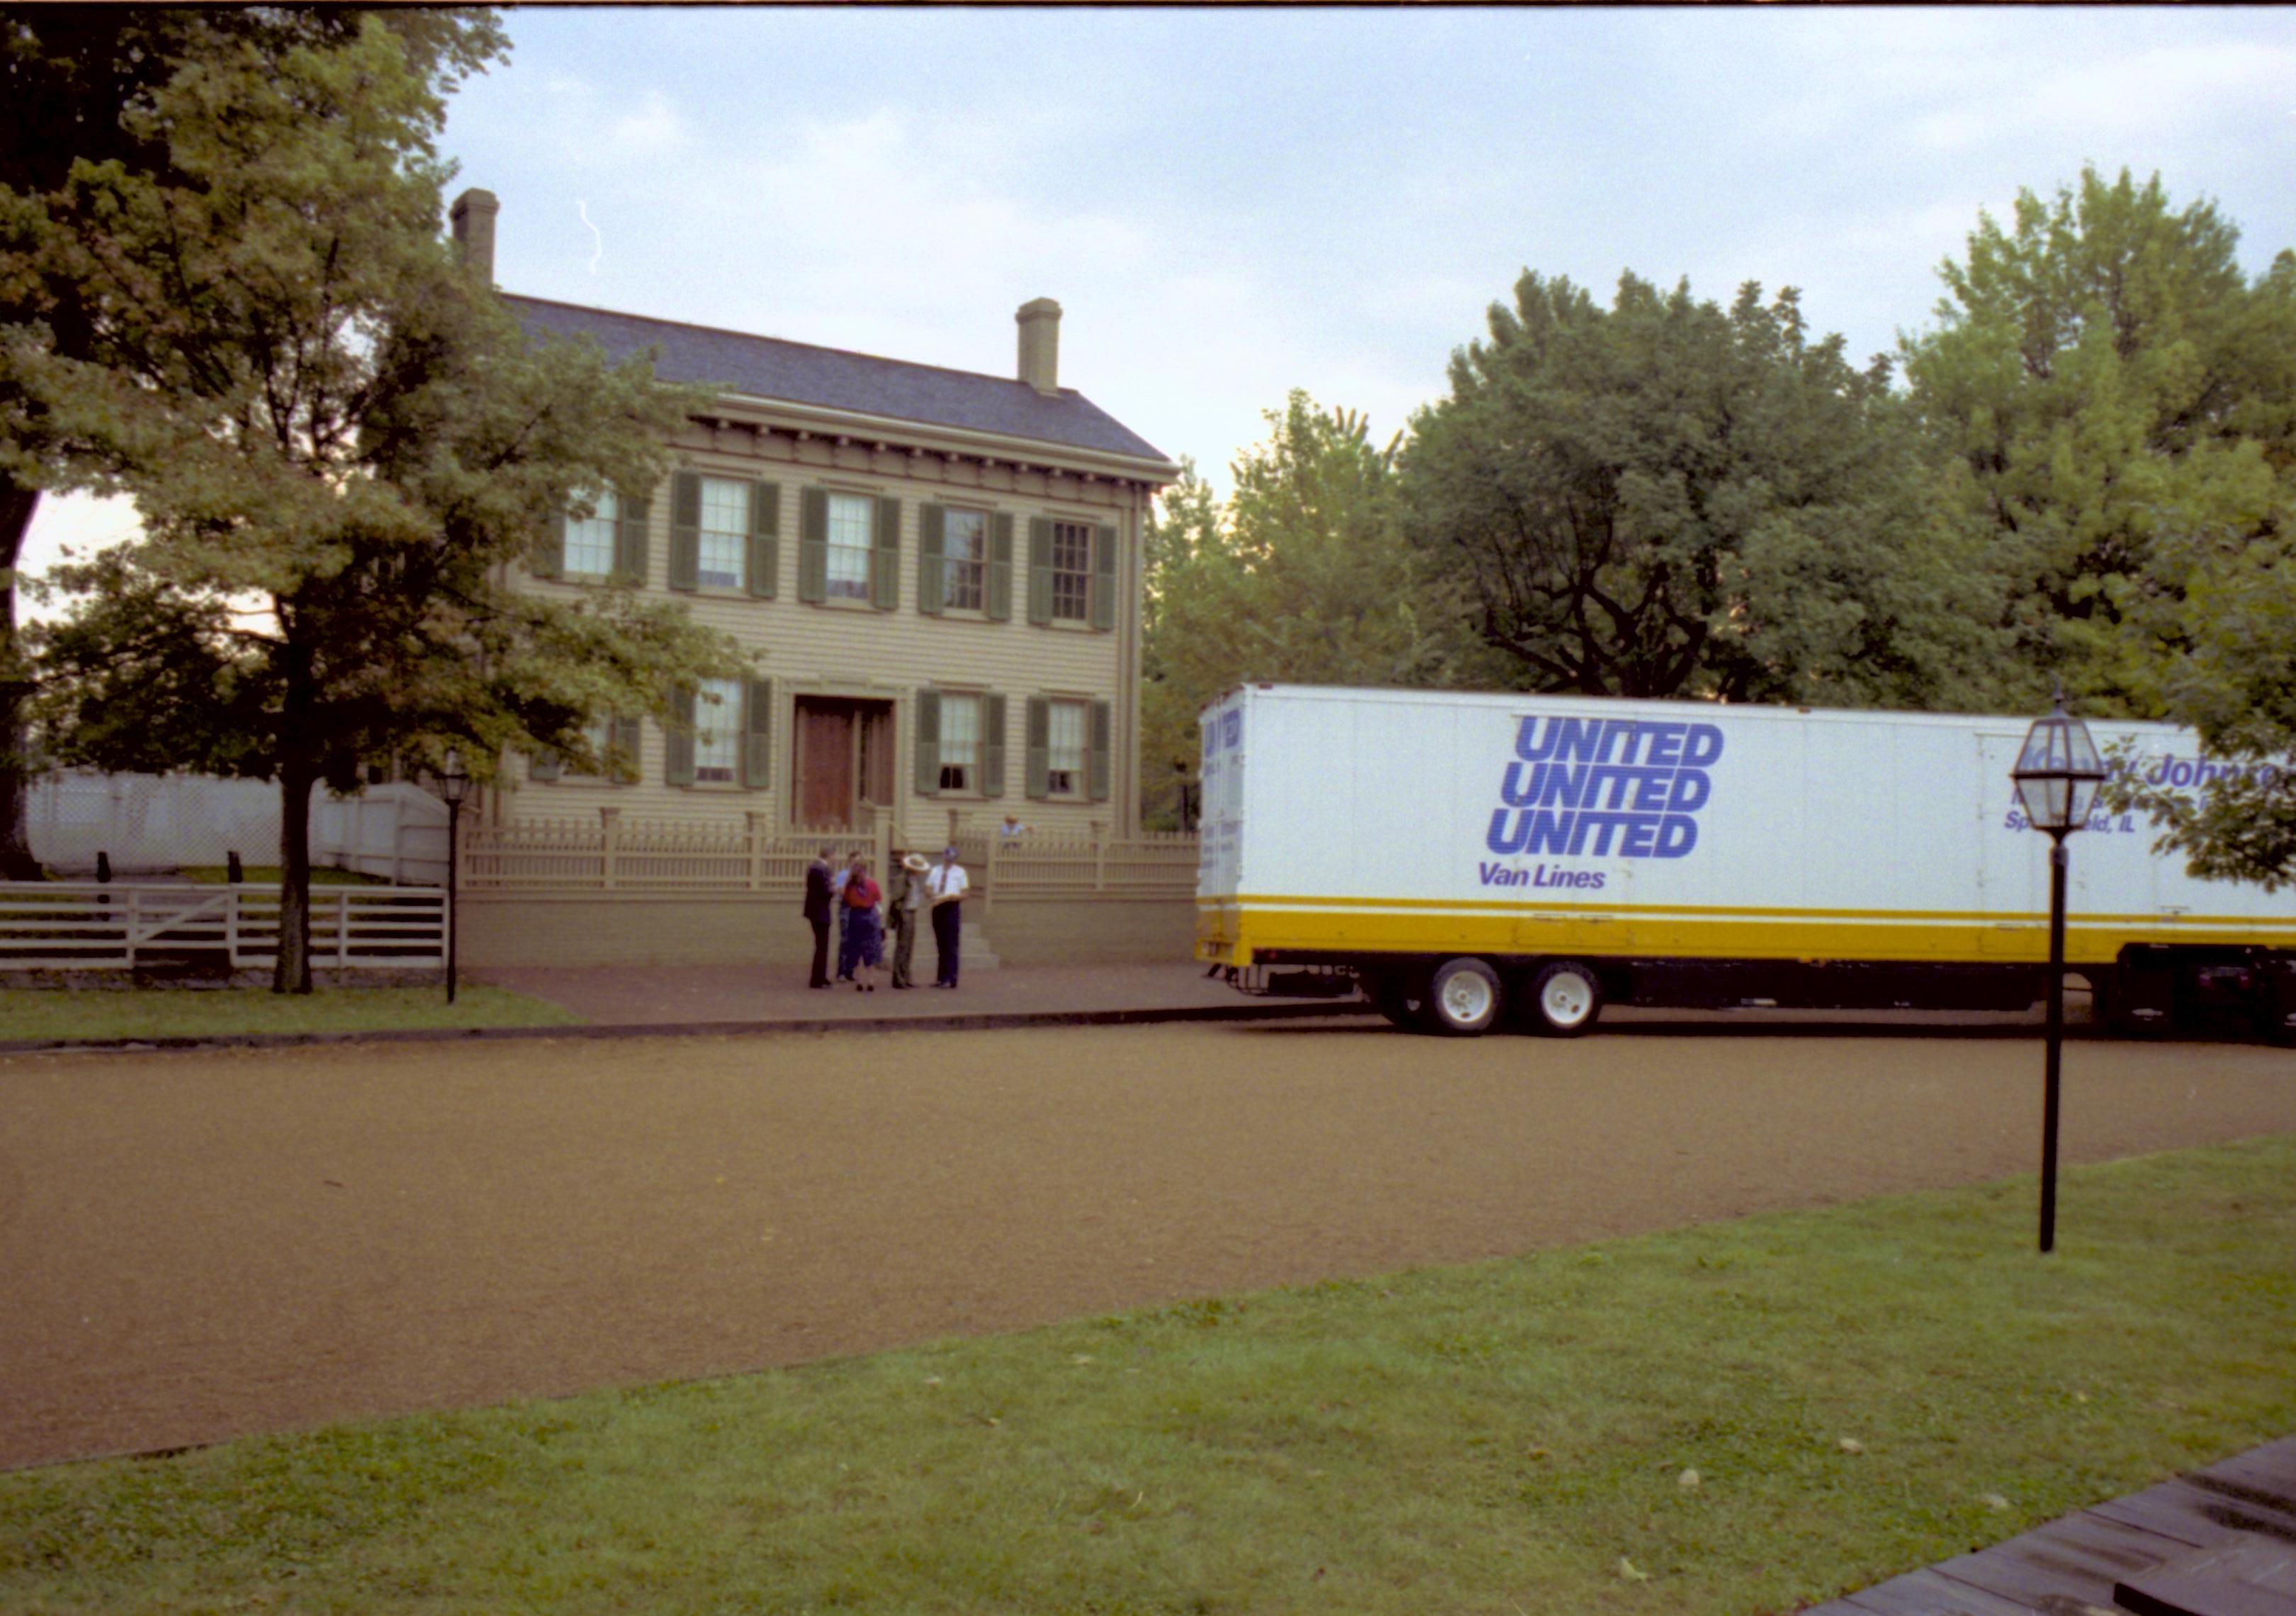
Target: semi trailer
(1467,858)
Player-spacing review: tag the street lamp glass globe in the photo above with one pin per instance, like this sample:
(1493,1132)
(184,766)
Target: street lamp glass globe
(2058,772)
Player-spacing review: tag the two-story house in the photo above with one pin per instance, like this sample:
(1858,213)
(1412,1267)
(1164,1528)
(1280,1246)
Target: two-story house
(941,569)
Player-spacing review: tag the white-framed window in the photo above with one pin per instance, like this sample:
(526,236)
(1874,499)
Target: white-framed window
(598,734)
(717,730)
(964,558)
(960,742)
(1066,727)
(590,541)
(852,534)
(725,550)
(1071,571)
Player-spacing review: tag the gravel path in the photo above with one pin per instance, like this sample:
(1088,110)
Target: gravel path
(198,1246)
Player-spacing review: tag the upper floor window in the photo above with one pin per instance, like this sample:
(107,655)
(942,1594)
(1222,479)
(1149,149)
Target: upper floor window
(964,558)
(590,541)
(1071,571)
(852,534)
(1065,749)
(725,533)
(960,742)
(718,730)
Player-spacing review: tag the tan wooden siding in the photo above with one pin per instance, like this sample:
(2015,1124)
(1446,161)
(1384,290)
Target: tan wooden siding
(847,649)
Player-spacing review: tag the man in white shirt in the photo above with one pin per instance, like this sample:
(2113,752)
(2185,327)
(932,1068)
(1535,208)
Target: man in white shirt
(946,886)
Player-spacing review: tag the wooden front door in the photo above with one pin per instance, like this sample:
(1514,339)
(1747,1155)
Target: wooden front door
(825,763)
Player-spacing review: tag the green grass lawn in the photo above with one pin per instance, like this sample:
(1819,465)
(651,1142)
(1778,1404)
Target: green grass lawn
(156,1012)
(268,876)
(1506,1438)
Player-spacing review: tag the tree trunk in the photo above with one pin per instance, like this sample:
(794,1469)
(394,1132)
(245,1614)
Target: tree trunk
(17,503)
(292,971)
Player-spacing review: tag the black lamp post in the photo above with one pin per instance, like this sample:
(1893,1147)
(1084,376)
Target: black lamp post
(2057,775)
(454,785)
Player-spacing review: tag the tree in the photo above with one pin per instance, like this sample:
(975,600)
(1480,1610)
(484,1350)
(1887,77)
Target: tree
(1667,498)
(2107,378)
(70,74)
(1301,575)
(338,443)
(2122,398)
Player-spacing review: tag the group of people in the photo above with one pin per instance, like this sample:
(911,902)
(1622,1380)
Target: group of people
(864,910)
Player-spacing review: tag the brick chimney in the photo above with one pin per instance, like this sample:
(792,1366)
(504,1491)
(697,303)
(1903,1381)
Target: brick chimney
(472,216)
(1040,344)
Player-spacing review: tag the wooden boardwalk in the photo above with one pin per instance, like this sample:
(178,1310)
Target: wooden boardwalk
(2219,1542)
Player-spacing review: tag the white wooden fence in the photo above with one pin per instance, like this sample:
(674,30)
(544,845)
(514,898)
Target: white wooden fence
(610,855)
(115,925)
(148,823)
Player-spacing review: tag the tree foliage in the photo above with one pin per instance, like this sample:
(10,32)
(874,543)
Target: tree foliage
(338,440)
(1669,498)
(2122,399)
(1301,575)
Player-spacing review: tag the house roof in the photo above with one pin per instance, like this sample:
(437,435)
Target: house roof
(832,378)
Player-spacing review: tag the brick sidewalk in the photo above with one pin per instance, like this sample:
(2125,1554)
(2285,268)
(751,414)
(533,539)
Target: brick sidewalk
(630,995)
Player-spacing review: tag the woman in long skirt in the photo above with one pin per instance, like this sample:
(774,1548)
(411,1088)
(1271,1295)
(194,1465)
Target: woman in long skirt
(863,914)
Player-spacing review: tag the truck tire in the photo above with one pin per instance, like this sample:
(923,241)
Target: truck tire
(1566,997)
(1464,999)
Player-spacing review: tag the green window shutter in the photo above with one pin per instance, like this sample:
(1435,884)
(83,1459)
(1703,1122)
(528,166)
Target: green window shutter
(992,745)
(931,580)
(765,557)
(929,743)
(757,734)
(685,530)
(677,749)
(813,545)
(1100,764)
(885,559)
(624,767)
(630,540)
(1000,567)
(1040,747)
(545,766)
(1040,569)
(548,557)
(1104,579)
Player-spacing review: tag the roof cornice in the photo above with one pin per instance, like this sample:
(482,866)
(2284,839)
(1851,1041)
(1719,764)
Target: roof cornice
(829,421)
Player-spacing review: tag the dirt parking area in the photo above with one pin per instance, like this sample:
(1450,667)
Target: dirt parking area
(200,1246)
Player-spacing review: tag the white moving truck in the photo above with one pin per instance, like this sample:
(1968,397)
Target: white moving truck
(1465,856)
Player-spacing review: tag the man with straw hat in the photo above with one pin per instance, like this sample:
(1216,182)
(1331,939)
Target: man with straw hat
(905,894)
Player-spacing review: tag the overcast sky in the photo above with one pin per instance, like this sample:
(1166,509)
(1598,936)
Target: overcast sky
(1228,204)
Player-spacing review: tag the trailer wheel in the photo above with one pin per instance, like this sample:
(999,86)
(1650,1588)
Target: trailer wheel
(1464,999)
(1565,999)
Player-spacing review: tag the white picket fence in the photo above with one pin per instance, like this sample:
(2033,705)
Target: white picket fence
(123,925)
(152,823)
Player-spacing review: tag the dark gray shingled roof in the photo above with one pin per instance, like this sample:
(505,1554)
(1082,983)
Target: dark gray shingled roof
(768,367)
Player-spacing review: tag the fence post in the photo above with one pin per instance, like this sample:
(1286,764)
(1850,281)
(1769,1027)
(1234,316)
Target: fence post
(757,849)
(988,874)
(135,913)
(609,841)
(231,921)
(1100,855)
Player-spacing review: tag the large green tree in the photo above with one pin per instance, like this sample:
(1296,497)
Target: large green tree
(75,84)
(1301,574)
(339,442)
(1665,497)
(2120,397)
(2108,379)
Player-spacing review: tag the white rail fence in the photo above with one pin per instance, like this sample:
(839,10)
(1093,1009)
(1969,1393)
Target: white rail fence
(115,925)
(610,855)
(152,823)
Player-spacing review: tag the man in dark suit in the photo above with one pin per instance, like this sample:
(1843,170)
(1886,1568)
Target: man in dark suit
(817,895)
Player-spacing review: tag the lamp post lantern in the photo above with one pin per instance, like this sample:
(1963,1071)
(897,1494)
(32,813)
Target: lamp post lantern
(2057,774)
(454,785)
